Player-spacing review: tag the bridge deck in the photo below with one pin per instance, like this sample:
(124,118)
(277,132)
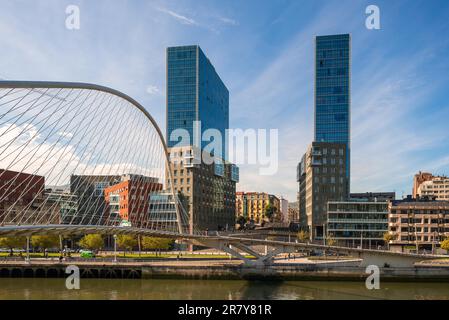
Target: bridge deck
(67,230)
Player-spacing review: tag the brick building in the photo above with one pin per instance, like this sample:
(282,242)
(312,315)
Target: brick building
(128,200)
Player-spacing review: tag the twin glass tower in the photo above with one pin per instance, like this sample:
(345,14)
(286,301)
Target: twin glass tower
(332,91)
(195,92)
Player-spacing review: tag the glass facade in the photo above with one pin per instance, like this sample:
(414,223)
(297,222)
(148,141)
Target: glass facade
(195,92)
(332,91)
(357,222)
(235,173)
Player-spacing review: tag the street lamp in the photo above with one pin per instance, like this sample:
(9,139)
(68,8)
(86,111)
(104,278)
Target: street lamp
(115,248)
(28,250)
(433,242)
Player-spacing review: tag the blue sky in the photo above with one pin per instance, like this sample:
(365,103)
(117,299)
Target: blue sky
(263,51)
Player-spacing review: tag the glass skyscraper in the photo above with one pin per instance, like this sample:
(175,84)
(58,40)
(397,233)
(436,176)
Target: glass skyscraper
(195,92)
(332,91)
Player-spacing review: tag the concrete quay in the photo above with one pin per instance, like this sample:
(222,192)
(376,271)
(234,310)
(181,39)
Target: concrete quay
(298,269)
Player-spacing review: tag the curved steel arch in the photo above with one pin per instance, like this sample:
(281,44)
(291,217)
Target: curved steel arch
(7,84)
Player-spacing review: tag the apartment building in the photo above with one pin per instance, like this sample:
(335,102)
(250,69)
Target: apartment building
(322,177)
(207,191)
(252,206)
(23,200)
(437,187)
(372,196)
(357,224)
(128,200)
(421,222)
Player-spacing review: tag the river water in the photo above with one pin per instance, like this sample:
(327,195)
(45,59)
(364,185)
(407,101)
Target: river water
(20,288)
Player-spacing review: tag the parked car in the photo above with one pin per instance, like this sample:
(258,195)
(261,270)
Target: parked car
(87,254)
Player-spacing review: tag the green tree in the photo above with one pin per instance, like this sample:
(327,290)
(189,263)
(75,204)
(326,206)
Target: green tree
(92,242)
(12,242)
(126,242)
(45,242)
(152,243)
(241,221)
(445,244)
(389,237)
(269,211)
(303,236)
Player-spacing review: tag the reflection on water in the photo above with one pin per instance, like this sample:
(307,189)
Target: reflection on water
(211,289)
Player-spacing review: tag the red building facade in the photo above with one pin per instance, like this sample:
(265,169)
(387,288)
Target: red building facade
(128,200)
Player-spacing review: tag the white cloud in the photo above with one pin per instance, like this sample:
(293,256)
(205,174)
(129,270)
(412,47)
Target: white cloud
(182,19)
(390,143)
(285,87)
(152,90)
(65,134)
(229,21)
(57,162)
(381,100)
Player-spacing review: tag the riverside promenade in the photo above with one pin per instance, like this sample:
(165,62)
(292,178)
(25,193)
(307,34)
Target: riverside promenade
(300,268)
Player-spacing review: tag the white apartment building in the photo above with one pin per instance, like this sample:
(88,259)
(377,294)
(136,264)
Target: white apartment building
(436,187)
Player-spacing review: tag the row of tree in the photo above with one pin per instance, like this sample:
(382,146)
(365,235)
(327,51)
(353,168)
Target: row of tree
(43,242)
(303,236)
(392,236)
(269,212)
(90,241)
(127,242)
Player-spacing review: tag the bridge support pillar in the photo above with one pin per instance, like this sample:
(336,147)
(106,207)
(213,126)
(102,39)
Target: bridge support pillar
(260,259)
